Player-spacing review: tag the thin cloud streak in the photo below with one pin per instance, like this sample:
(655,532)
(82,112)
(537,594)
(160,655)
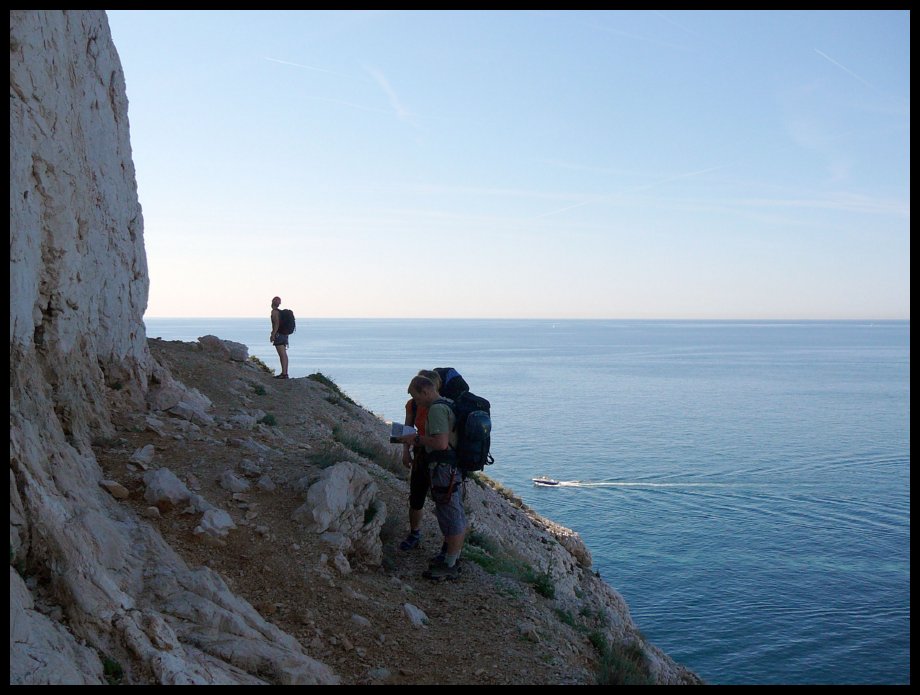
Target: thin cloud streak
(402,112)
(632,189)
(475,191)
(663,16)
(843,203)
(361,107)
(573,166)
(307,67)
(844,68)
(596,26)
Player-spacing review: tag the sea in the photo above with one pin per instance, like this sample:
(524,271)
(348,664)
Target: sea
(745,485)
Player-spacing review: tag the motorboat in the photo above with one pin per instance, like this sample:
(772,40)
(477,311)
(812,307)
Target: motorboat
(543,480)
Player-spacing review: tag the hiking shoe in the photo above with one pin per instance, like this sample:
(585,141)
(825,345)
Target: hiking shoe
(442,561)
(411,541)
(439,558)
(281,376)
(441,571)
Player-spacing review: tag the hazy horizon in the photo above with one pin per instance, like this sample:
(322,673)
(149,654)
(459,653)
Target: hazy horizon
(547,318)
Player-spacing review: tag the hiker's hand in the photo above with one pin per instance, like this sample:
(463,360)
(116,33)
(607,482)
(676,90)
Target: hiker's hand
(408,439)
(406,458)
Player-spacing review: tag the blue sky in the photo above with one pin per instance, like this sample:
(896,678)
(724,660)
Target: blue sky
(608,164)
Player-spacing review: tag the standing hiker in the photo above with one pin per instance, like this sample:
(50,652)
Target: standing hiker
(446,479)
(278,338)
(414,459)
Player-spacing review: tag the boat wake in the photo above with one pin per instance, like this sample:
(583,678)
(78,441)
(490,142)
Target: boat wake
(549,482)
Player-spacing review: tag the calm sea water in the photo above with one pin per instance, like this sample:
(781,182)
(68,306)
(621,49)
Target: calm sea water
(744,485)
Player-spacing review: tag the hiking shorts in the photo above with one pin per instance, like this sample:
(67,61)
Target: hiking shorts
(280,339)
(448,499)
(419,482)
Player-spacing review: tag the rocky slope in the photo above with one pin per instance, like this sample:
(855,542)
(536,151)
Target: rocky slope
(526,609)
(177,516)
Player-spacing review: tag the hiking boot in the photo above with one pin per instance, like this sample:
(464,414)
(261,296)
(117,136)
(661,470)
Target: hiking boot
(439,558)
(411,541)
(281,376)
(441,571)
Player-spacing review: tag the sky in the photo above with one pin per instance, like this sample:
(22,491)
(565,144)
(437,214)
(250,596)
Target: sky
(651,164)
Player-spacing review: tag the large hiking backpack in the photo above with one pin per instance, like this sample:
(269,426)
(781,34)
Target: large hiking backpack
(452,384)
(473,424)
(286,322)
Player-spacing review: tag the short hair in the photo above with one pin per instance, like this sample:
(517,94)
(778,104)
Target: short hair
(434,376)
(420,384)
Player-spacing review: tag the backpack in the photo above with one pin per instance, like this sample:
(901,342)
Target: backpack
(473,424)
(452,384)
(286,322)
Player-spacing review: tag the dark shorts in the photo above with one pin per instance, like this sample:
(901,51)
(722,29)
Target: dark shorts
(419,482)
(280,339)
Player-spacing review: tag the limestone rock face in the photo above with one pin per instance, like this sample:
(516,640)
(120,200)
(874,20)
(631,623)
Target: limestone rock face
(42,649)
(88,579)
(164,488)
(224,349)
(345,501)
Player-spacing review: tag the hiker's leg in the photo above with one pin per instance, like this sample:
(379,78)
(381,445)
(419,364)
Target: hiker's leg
(415,519)
(453,526)
(282,354)
(418,491)
(455,544)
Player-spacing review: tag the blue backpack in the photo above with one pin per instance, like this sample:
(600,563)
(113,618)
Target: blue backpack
(473,424)
(452,384)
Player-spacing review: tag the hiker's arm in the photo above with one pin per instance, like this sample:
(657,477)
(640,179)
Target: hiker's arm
(438,436)
(410,414)
(435,442)
(410,420)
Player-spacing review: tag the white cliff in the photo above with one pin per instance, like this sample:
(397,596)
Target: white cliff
(107,585)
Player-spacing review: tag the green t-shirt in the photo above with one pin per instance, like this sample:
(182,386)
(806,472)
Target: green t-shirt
(440,420)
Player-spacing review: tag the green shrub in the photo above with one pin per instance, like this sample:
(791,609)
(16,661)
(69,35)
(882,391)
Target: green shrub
(332,386)
(488,554)
(599,641)
(385,456)
(478,478)
(505,492)
(479,540)
(269,420)
(112,671)
(261,365)
(329,454)
(621,663)
(370,512)
(543,584)
(566,618)
(18,563)
(595,614)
